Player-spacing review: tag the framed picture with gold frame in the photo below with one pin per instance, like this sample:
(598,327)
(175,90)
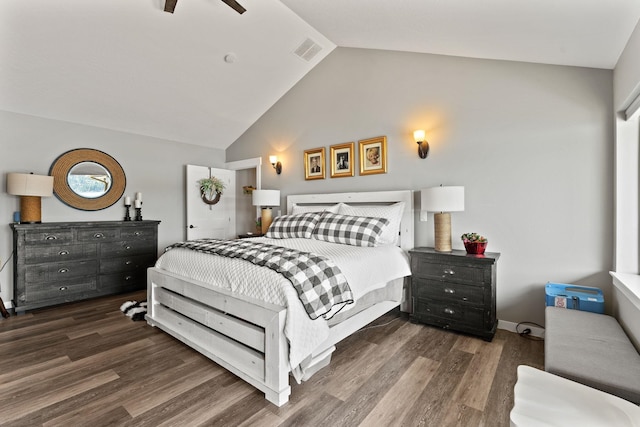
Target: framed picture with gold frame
(373,155)
(342,160)
(314,163)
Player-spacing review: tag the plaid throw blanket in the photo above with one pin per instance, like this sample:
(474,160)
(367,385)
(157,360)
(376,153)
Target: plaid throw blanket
(318,281)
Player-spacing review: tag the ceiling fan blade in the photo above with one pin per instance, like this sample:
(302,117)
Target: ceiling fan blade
(170,5)
(235,6)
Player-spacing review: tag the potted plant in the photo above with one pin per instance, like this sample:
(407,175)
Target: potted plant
(474,243)
(211,190)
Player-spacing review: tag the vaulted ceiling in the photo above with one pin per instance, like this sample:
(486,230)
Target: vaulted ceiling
(205,73)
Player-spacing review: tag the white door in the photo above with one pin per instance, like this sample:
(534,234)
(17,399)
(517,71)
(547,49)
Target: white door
(215,221)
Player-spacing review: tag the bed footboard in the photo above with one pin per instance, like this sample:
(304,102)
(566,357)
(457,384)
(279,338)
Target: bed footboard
(241,334)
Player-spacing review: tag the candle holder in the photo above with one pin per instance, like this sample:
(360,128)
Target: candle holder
(127,215)
(138,214)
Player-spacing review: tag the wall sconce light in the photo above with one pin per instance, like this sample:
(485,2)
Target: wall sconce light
(423,145)
(30,188)
(276,164)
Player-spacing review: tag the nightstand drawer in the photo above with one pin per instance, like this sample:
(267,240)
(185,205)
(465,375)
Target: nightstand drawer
(424,309)
(445,291)
(427,269)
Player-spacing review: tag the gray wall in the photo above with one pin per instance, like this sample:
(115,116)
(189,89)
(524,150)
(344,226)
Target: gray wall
(153,166)
(532,144)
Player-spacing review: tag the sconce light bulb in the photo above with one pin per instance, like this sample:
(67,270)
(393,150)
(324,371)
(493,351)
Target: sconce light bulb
(273,159)
(419,135)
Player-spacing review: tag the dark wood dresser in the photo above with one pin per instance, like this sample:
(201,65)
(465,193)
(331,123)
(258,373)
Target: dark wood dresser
(60,262)
(455,290)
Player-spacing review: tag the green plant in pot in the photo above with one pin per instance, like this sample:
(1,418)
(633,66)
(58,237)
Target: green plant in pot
(474,243)
(211,189)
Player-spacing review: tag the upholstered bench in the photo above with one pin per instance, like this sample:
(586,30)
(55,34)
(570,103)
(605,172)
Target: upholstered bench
(592,349)
(544,399)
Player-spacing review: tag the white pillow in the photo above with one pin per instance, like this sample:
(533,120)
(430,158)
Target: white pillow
(393,213)
(299,209)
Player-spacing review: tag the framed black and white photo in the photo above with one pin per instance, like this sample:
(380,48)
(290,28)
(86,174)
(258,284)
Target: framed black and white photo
(342,160)
(314,164)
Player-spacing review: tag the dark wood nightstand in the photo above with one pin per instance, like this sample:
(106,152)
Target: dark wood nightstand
(454,290)
(247,235)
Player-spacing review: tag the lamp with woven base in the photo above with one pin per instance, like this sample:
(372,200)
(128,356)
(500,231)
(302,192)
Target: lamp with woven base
(266,199)
(442,201)
(30,188)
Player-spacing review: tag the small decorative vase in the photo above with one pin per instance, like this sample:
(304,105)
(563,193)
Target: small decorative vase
(475,248)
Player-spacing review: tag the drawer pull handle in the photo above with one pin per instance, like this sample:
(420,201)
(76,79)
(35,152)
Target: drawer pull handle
(63,270)
(449,291)
(99,236)
(127,247)
(128,278)
(62,288)
(51,237)
(137,233)
(449,311)
(464,298)
(449,271)
(128,262)
(63,253)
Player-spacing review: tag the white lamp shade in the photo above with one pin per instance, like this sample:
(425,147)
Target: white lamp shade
(266,197)
(27,184)
(418,135)
(442,199)
(273,159)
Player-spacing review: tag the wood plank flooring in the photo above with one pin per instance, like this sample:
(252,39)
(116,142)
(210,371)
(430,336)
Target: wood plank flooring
(86,364)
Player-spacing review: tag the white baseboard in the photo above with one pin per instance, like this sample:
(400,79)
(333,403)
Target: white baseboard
(511,327)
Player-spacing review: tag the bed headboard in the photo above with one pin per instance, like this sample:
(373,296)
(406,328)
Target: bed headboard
(365,198)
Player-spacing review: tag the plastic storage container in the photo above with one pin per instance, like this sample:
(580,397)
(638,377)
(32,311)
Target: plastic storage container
(574,297)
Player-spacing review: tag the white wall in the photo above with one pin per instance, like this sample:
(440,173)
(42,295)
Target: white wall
(626,84)
(153,166)
(532,144)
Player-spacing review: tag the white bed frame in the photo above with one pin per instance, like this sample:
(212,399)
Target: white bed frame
(245,335)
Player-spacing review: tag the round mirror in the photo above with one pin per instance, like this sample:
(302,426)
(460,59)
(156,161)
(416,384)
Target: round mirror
(87,179)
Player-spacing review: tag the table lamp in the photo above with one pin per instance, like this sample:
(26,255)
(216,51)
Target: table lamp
(30,188)
(266,199)
(442,201)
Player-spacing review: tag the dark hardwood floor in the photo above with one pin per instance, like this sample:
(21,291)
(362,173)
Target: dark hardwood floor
(86,364)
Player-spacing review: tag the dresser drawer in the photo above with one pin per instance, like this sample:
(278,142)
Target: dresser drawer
(128,263)
(56,271)
(127,248)
(454,313)
(445,291)
(143,233)
(424,268)
(48,237)
(98,235)
(123,282)
(59,253)
(56,293)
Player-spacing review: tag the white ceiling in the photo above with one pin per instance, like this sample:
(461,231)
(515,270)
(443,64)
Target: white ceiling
(129,66)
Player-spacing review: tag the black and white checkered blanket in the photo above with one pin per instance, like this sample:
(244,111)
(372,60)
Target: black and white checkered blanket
(318,281)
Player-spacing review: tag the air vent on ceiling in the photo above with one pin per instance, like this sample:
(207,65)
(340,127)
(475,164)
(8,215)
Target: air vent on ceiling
(308,49)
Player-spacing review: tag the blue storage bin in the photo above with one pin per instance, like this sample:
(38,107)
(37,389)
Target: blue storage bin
(574,297)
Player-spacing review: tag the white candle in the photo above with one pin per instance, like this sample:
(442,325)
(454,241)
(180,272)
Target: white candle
(139,196)
(138,203)
(127,201)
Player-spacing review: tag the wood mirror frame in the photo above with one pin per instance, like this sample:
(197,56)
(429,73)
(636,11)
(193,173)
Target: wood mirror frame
(64,163)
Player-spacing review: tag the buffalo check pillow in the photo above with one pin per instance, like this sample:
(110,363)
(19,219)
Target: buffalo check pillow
(349,230)
(293,226)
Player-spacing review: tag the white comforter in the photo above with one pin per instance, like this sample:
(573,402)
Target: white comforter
(365,269)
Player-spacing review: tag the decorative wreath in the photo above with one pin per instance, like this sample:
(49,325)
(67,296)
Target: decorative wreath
(211,190)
